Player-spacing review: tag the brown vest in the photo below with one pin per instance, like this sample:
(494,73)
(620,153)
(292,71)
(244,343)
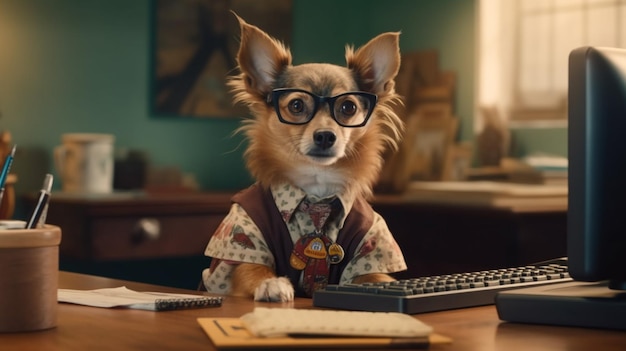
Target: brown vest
(260,206)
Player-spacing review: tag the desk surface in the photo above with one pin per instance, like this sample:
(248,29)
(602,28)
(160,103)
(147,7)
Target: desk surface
(486,195)
(89,328)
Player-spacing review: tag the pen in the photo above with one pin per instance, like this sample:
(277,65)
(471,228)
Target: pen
(42,202)
(5,171)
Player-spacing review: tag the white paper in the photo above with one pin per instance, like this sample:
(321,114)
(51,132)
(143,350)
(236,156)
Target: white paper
(124,297)
(280,322)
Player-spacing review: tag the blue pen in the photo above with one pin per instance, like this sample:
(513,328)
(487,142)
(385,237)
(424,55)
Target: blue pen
(5,171)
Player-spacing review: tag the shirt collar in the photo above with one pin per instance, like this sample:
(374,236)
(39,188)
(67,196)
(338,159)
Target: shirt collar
(288,197)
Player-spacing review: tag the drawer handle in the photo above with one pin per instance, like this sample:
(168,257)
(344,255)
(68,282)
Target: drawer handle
(146,229)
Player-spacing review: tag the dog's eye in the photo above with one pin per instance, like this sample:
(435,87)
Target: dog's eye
(296,106)
(348,108)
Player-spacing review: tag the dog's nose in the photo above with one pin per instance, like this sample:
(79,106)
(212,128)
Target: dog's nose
(324,139)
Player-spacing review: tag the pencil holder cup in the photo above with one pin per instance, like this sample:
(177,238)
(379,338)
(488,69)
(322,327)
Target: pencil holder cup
(29,274)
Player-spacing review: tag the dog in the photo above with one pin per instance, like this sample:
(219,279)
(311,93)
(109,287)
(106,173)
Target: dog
(315,148)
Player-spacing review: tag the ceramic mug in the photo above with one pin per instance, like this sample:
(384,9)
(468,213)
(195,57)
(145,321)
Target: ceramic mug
(84,162)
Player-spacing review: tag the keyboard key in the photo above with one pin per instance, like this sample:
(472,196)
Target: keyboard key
(418,291)
(395,292)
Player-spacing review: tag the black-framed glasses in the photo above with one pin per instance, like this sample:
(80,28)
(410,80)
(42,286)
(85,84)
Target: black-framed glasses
(296,106)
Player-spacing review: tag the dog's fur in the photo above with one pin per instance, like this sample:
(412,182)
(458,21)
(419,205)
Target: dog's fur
(279,152)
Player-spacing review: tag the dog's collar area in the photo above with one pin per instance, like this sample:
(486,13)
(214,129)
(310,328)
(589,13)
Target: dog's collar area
(314,253)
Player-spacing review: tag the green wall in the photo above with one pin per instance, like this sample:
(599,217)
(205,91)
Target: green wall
(84,66)
(444,25)
(527,141)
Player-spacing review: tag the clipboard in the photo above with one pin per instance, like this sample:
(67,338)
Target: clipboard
(230,333)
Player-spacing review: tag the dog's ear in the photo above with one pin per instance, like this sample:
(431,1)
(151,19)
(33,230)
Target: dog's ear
(260,59)
(376,63)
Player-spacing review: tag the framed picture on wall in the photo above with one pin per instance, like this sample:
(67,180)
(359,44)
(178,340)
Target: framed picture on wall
(194,50)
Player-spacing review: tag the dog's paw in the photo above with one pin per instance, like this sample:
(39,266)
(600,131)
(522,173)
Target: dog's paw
(274,290)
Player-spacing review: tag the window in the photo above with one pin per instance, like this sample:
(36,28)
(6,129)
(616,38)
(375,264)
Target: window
(524,48)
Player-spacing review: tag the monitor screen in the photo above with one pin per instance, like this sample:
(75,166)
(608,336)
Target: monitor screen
(596,245)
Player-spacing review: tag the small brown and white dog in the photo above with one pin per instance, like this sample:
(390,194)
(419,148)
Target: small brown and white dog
(320,128)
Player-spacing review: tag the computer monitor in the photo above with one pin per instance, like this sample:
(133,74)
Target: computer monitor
(596,228)
(596,218)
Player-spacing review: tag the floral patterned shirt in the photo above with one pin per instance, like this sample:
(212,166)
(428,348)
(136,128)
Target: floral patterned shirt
(239,240)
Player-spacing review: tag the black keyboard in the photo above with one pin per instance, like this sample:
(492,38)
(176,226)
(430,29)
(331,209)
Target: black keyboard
(438,293)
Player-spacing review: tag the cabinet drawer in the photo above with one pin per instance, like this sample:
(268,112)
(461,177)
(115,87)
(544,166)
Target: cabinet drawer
(123,237)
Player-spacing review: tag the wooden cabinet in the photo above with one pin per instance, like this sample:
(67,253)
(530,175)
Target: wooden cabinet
(156,238)
(438,238)
(131,226)
(160,239)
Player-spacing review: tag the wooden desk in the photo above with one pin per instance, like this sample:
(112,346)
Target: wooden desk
(438,233)
(90,328)
(112,226)
(451,227)
(155,238)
